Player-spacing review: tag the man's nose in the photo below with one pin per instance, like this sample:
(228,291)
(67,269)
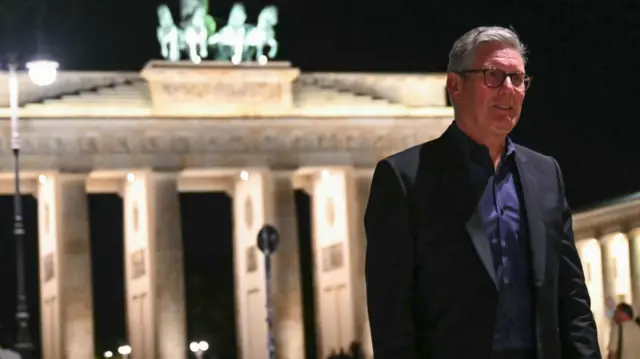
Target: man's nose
(507,85)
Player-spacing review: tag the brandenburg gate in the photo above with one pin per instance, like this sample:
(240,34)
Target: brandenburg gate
(255,132)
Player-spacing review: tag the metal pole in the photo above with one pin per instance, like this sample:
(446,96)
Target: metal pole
(267,273)
(268,239)
(23,345)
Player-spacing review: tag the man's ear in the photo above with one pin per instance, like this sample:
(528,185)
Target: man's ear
(454,84)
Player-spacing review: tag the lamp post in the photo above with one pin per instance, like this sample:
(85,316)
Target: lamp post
(198,348)
(268,239)
(41,73)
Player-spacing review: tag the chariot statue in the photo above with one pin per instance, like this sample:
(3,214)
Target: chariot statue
(168,34)
(196,34)
(230,39)
(236,41)
(192,36)
(263,34)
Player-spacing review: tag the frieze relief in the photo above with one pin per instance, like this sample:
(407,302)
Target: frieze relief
(247,141)
(222,91)
(180,143)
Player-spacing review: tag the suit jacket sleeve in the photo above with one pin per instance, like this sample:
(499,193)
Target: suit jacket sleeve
(577,328)
(389,268)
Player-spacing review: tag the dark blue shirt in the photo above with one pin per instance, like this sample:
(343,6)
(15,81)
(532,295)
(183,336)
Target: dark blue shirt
(501,208)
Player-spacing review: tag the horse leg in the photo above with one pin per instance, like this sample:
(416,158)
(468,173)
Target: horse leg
(273,47)
(204,53)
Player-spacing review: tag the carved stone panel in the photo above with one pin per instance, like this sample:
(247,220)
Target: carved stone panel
(252,259)
(214,87)
(332,257)
(330,211)
(47,220)
(138,265)
(135,217)
(48,265)
(248,212)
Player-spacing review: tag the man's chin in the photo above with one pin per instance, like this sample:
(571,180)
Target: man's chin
(503,125)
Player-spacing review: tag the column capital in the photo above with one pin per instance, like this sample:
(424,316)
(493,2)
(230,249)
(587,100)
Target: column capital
(634,232)
(612,235)
(304,178)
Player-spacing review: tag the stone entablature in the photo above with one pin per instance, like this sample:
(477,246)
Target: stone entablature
(618,215)
(89,144)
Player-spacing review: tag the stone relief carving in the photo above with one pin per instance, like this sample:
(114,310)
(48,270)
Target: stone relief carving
(332,257)
(135,217)
(222,91)
(174,143)
(206,141)
(47,220)
(330,211)
(138,265)
(248,212)
(48,268)
(252,259)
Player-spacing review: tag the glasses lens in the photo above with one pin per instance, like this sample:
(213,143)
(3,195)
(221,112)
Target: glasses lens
(494,77)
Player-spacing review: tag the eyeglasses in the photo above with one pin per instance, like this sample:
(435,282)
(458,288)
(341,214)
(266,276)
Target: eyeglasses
(494,78)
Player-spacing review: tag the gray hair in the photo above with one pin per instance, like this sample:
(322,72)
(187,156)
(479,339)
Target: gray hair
(463,50)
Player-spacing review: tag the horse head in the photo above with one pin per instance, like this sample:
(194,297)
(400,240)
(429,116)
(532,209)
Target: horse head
(238,15)
(164,15)
(268,17)
(198,17)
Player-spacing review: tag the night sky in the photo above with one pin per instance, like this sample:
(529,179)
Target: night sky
(584,60)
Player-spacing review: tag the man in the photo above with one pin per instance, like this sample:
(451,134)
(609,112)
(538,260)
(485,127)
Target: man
(470,250)
(624,341)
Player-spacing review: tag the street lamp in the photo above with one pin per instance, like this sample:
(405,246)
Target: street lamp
(108,354)
(124,350)
(42,73)
(198,348)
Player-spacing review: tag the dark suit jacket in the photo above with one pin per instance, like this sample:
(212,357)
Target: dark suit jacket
(428,263)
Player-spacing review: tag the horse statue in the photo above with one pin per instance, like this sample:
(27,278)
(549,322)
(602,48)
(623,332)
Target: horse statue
(168,34)
(263,35)
(195,35)
(230,39)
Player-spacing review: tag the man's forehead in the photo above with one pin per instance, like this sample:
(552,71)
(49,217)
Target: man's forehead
(498,54)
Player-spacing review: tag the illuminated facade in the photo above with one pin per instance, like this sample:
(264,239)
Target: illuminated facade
(256,133)
(608,241)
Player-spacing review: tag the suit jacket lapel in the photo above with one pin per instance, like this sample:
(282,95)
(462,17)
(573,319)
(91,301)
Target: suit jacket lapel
(478,235)
(459,189)
(531,195)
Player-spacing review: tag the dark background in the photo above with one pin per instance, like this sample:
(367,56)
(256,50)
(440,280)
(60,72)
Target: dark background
(581,109)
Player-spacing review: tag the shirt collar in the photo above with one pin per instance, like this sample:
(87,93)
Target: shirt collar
(469,146)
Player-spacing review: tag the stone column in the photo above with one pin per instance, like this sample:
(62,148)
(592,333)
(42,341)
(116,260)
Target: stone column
(616,272)
(261,198)
(66,299)
(608,267)
(156,318)
(634,263)
(364,334)
(619,245)
(337,258)
(591,257)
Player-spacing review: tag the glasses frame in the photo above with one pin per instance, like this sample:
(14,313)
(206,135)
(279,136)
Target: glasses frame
(526,80)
